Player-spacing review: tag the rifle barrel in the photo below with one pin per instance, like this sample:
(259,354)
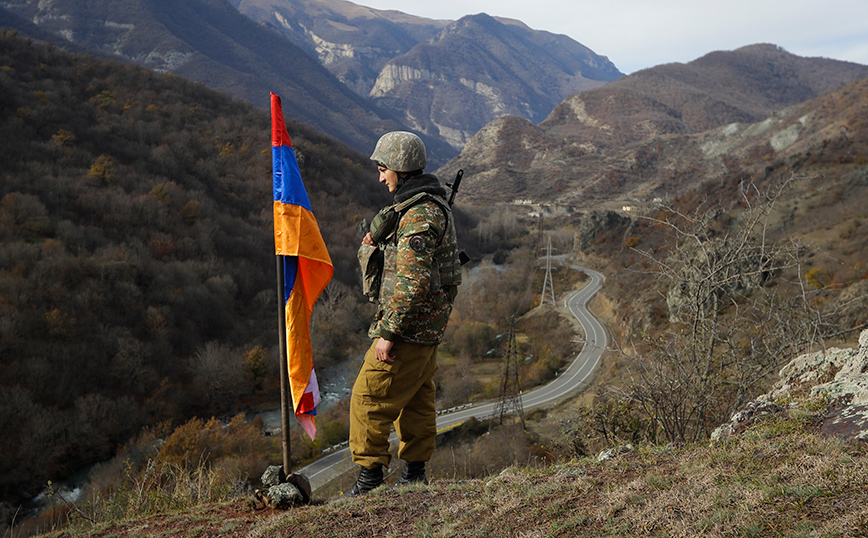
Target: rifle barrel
(454,186)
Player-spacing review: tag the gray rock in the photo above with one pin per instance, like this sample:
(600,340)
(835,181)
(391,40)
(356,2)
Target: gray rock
(693,289)
(273,476)
(284,496)
(602,221)
(614,452)
(838,375)
(851,380)
(847,415)
(740,421)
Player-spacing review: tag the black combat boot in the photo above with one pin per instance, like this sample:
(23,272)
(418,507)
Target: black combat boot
(414,471)
(368,479)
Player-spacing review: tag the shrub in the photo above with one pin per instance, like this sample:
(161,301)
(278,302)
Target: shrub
(198,442)
(492,451)
(817,277)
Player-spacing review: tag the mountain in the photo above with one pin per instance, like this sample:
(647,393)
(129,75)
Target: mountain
(745,85)
(354,42)
(628,140)
(350,71)
(209,41)
(443,78)
(25,28)
(480,69)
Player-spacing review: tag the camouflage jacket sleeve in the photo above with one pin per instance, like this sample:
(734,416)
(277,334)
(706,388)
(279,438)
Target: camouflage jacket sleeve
(407,301)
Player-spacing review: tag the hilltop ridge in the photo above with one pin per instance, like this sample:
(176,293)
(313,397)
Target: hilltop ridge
(209,41)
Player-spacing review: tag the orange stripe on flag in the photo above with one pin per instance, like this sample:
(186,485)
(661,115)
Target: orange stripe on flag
(296,233)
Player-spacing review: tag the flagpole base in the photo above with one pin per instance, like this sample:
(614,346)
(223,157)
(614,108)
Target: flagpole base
(302,484)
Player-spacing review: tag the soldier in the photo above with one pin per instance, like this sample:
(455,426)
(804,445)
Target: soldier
(411,267)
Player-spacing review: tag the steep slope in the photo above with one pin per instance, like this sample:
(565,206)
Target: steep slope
(354,42)
(11,22)
(211,42)
(610,198)
(641,134)
(480,69)
(782,473)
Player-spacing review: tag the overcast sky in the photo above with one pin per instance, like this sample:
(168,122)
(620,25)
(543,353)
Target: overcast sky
(635,34)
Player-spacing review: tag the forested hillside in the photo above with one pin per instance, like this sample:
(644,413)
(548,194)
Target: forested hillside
(136,258)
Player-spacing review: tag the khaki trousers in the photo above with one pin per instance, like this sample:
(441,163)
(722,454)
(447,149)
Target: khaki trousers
(399,393)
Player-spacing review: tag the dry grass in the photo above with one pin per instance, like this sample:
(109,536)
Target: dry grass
(778,479)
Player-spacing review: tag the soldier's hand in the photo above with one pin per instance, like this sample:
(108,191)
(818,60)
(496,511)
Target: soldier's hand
(383,350)
(368,240)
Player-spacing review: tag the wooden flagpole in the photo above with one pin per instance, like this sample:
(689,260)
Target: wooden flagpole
(285,405)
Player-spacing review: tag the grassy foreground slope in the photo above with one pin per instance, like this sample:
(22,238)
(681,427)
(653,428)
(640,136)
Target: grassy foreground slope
(778,479)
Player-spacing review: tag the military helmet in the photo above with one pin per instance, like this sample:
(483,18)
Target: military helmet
(400,151)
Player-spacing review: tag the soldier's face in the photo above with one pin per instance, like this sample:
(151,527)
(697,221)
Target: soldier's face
(389,178)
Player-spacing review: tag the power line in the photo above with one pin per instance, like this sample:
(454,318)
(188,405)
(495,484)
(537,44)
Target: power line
(510,390)
(547,284)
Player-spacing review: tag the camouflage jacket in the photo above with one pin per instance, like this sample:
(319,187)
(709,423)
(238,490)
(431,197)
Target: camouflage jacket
(413,305)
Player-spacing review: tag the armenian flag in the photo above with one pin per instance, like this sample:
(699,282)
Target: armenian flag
(307,267)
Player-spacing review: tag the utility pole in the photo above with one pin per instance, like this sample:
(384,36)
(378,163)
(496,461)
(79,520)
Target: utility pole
(510,391)
(547,284)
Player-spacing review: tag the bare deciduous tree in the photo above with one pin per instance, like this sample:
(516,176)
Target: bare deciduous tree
(217,371)
(739,308)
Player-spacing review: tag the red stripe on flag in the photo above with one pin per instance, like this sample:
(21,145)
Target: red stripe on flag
(279,135)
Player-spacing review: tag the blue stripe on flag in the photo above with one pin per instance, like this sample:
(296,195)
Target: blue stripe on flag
(288,186)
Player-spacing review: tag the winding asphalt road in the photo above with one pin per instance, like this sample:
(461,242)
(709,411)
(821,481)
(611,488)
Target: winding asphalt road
(576,377)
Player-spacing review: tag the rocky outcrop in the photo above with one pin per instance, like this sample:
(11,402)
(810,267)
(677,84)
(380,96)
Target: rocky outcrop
(614,452)
(481,68)
(839,376)
(393,76)
(736,274)
(352,41)
(596,224)
(753,412)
